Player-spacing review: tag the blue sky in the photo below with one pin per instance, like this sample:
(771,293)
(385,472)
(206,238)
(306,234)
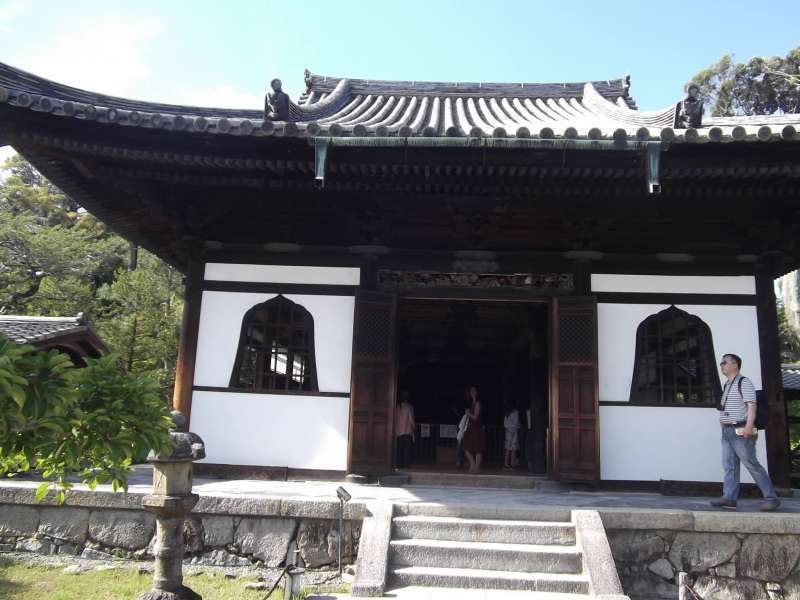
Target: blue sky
(224,53)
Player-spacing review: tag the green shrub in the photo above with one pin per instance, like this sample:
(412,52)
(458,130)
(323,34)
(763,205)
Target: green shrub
(68,423)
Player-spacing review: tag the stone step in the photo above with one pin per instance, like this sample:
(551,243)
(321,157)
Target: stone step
(490,580)
(424,593)
(518,481)
(485,510)
(483,530)
(527,558)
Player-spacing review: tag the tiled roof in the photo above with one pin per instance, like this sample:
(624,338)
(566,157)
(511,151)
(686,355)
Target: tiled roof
(791,377)
(29,330)
(334,106)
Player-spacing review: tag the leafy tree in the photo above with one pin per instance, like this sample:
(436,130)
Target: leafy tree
(25,190)
(789,340)
(56,259)
(760,86)
(71,423)
(140,314)
(53,256)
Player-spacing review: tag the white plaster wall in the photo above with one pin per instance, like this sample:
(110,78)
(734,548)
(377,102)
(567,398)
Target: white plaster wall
(733,328)
(664,284)
(282,274)
(221,316)
(301,432)
(642,443)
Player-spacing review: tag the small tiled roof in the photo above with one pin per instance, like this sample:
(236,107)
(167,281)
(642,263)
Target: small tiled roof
(335,106)
(30,330)
(791,377)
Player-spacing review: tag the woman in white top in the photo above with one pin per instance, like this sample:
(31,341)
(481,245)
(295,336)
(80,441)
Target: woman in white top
(512,426)
(405,430)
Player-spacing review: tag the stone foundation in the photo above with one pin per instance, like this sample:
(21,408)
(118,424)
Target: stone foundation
(725,556)
(100,525)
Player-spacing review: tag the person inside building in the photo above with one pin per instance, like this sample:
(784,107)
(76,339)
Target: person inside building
(462,421)
(405,426)
(473,438)
(737,418)
(512,426)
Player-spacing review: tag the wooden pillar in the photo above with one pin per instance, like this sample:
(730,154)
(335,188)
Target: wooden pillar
(187,350)
(778,459)
(582,277)
(369,273)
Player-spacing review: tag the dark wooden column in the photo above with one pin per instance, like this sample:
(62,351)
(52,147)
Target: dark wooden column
(767,268)
(369,272)
(187,350)
(582,277)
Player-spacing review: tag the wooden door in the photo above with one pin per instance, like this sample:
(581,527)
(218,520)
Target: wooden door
(573,390)
(373,384)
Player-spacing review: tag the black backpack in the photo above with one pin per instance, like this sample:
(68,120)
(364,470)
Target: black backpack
(762,410)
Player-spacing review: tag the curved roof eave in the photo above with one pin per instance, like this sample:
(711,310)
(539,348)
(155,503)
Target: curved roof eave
(362,108)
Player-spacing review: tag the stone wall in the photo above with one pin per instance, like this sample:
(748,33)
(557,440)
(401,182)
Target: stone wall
(220,532)
(726,556)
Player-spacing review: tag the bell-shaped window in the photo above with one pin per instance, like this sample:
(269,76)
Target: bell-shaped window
(675,361)
(276,348)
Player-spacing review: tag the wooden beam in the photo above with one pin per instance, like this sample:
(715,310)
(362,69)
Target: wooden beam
(187,350)
(778,458)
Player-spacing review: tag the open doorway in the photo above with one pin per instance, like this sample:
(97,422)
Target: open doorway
(445,346)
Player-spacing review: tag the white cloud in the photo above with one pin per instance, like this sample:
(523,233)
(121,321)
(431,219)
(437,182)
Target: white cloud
(107,54)
(115,54)
(223,96)
(10,11)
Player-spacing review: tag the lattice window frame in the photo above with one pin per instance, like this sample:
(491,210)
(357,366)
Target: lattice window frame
(576,333)
(666,364)
(289,328)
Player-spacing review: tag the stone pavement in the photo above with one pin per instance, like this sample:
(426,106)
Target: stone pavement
(423,593)
(456,496)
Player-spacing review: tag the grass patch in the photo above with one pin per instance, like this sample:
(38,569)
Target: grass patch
(23,582)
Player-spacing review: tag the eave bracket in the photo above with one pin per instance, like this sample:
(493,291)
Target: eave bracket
(320,161)
(653,150)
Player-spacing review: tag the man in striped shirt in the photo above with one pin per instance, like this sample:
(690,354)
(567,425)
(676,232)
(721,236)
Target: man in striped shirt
(737,418)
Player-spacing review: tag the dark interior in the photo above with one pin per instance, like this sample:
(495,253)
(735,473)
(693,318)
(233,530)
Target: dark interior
(445,346)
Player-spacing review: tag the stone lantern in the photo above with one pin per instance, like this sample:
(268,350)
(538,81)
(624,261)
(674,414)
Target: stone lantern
(172,499)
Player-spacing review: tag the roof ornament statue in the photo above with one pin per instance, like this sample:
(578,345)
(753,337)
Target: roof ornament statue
(276,106)
(690,109)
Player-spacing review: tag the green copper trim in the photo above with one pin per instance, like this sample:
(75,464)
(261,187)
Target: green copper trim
(320,160)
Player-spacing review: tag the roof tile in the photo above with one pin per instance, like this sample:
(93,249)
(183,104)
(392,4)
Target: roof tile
(28,330)
(333,106)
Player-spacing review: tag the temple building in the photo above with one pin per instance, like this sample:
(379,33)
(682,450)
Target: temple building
(570,255)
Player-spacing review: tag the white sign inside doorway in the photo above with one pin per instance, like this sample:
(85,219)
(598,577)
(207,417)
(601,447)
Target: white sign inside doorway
(448,431)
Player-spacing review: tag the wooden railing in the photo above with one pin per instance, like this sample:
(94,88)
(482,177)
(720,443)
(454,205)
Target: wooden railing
(436,445)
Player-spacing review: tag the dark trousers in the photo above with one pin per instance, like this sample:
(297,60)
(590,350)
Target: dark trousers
(404,443)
